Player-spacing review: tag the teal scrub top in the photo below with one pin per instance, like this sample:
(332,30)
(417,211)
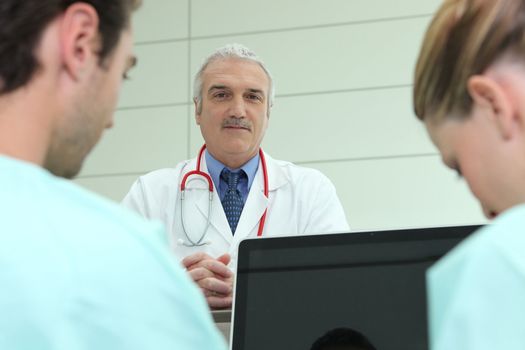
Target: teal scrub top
(477,291)
(79,272)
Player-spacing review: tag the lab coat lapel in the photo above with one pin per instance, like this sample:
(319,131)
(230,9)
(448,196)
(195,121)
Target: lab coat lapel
(256,203)
(276,176)
(253,209)
(217,217)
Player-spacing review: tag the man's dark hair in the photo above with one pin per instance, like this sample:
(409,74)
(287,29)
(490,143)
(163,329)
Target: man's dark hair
(342,338)
(23,21)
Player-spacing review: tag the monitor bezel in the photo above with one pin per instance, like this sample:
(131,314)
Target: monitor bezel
(249,245)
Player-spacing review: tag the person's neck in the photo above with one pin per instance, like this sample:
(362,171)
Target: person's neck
(25,125)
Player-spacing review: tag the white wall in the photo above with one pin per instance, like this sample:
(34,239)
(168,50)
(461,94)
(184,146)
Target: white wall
(343,73)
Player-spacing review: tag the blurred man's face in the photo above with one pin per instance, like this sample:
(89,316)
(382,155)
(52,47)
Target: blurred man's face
(474,149)
(487,146)
(90,111)
(234,109)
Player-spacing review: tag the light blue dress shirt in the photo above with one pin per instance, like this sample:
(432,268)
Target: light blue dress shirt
(79,272)
(477,291)
(215,168)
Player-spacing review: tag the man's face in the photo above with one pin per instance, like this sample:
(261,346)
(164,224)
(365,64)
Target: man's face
(233,115)
(474,148)
(90,111)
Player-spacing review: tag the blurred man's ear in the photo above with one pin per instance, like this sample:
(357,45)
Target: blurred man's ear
(79,39)
(490,96)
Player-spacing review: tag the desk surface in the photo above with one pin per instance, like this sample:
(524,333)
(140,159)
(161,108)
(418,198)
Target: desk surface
(222,316)
(222,319)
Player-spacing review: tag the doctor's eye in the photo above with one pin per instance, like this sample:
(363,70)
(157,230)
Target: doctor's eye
(254,97)
(220,95)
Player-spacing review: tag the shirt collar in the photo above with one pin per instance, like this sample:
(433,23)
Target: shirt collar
(215,168)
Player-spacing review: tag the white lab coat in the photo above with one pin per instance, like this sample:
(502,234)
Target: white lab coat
(301,201)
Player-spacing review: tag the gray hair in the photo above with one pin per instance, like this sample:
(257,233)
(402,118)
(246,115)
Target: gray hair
(230,51)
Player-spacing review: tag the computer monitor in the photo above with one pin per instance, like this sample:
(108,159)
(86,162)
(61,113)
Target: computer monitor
(292,291)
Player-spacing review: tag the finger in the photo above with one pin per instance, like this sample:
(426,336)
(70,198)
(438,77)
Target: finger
(225,259)
(214,266)
(216,285)
(194,259)
(200,273)
(209,293)
(217,291)
(216,302)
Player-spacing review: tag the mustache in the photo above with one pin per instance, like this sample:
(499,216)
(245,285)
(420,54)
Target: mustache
(235,122)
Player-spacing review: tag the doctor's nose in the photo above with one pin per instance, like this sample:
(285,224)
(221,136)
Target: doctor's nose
(237,108)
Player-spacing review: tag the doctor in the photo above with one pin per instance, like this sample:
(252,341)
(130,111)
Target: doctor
(247,192)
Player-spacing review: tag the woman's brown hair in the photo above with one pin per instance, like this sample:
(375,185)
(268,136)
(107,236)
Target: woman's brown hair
(464,38)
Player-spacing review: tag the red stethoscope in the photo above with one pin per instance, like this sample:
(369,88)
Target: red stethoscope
(199,174)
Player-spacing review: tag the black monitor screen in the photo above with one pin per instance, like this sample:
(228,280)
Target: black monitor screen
(356,290)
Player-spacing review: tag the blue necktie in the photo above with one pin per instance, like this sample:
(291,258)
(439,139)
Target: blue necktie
(232,201)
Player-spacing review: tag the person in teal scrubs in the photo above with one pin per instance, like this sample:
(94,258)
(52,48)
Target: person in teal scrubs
(469,91)
(77,271)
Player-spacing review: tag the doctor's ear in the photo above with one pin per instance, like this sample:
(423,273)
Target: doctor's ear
(79,39)
(489,96)
(198,109)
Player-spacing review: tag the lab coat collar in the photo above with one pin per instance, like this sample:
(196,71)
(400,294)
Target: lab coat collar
(257,203)
(276,176)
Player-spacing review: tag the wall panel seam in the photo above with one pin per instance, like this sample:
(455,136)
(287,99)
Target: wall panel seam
(161,41)
(367,159)
(160,105)
(309,162)
(318,26)
(339,91)
(189,103)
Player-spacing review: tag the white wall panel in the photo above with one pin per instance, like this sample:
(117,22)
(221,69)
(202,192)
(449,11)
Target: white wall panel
(370,123)
(160,76)
(211,17)
(335,58)
(161,20)
(111,187)
(141,140)
(403,192)
(196,140)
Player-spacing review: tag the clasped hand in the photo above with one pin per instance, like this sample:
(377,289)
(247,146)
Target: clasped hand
(213,277)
